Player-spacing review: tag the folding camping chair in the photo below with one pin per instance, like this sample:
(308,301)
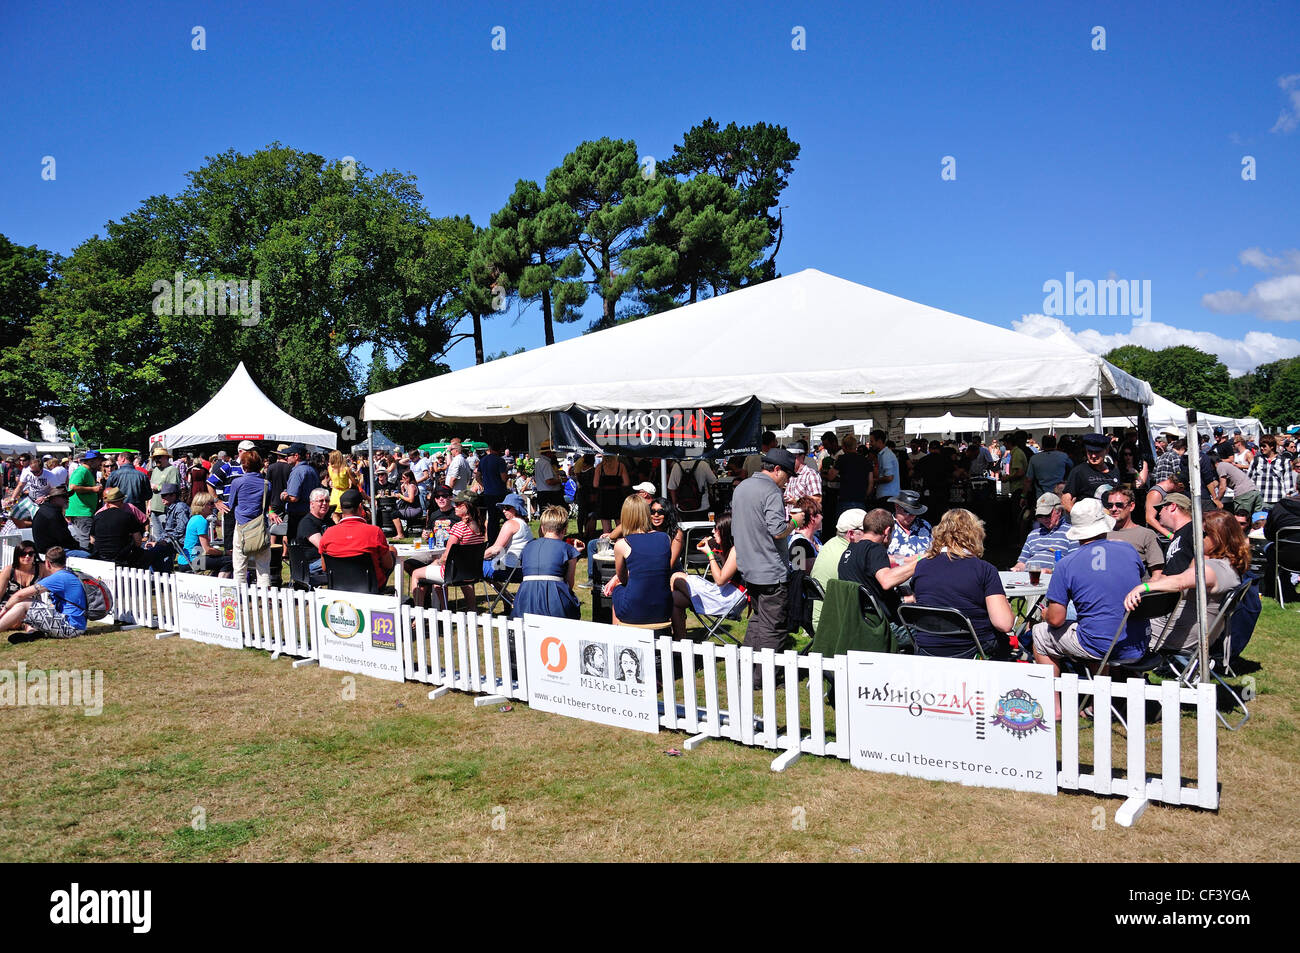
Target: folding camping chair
(943,623)
(1153,606)
(716,624)
(1286,558)
(464,568)
(1185,664)
(499,581)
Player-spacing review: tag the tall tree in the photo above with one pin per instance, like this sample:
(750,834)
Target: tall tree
(1280,406)
(756,160)
(25,272)
(602,182)
(1183,374)
(530,249)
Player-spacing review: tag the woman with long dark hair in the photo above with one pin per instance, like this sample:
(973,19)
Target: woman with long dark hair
(717,593)
(664,518)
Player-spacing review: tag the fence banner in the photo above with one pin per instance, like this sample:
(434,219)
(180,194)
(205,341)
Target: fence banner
(678,433)
(358,633)
(987,724)
(600,673)
(208,610)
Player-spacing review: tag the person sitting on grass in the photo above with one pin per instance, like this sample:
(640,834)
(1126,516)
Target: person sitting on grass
(54,607)
(715,594)
(549,564)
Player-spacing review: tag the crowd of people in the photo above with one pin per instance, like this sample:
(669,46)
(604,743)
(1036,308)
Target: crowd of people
(909,522)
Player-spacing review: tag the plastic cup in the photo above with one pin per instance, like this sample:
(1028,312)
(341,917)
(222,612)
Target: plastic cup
(1034,576)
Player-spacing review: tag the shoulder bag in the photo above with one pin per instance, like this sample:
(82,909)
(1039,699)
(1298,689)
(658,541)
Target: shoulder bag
(254,535)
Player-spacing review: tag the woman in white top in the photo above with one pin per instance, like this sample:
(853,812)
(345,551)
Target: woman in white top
(715,594)
(514,534)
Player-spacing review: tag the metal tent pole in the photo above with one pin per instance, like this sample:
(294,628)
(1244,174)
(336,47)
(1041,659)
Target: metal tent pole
(370,449)
(1198,537)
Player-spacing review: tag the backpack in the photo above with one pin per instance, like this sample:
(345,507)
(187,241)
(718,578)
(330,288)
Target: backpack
(99,598)
(688,490)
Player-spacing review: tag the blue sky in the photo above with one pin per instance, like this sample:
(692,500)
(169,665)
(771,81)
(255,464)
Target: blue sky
(1122,163)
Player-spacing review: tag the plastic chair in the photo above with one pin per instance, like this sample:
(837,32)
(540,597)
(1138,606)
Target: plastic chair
(300,574)
(1153,606)
(464,568)
(941,622)
(694,559)
(1185,664)
(351,573)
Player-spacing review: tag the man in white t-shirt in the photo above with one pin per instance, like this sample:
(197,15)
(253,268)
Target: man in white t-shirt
(421,470)
(458,471)
(547,477)
(57,474)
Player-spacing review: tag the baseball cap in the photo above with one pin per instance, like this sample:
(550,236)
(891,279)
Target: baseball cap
(295,448)
(350,499)
(442,490)
(247,445)
(850,519)
(646,487)
(1180,500)
(1046,503)
(1097,441)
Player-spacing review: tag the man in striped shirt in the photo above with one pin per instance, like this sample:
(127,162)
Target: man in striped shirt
(1271,474)
(1039,551)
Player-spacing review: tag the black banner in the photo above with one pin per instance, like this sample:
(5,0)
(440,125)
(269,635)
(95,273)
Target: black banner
(709,432)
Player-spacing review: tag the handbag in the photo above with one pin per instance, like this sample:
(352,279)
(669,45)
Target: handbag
(254,535)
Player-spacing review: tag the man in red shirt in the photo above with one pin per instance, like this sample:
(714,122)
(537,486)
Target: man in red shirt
(353,535)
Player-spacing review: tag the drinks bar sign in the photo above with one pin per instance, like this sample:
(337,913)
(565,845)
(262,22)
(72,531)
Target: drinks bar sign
(677,433)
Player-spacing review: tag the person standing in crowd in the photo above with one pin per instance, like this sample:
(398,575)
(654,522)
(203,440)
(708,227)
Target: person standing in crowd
(341,478)
(58,471)
(133,484)
(302,480)
(888,481)
(805,481)
(1120,504)
(33,483)
(492,475)
(1271,473)
(1245,495)
(162,471)
(688,487)
(1089,478)
(754,462)
(84,498)
(850,470)
(760,526)
(1047,468)
(250,497)
(458,469)
(547,477)
(422,475)
(610,482)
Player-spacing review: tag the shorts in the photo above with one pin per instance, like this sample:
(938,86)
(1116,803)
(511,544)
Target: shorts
(42,617)
(1061,642)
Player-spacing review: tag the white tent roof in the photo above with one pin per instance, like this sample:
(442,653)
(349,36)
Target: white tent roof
(240,411)
(12,443)
(804,344)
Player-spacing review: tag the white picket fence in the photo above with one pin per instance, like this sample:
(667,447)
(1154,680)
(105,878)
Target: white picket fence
(717,697)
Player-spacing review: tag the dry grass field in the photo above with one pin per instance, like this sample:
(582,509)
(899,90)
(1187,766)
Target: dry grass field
(279,765)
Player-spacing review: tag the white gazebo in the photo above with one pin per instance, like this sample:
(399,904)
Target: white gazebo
(240,411)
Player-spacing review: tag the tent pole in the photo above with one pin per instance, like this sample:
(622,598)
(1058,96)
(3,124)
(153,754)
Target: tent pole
(663,477)
(370,449)
(1198,537)
(1096,410)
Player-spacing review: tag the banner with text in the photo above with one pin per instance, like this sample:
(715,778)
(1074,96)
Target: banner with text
(358,632)
(591,671)
(208,610)
(675,433)
(987,724)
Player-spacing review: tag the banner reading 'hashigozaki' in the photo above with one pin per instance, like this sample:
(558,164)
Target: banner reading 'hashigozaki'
(674,433)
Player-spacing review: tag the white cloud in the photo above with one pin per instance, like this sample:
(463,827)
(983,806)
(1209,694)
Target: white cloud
(1240,355)
(1289,119)
(1277,299)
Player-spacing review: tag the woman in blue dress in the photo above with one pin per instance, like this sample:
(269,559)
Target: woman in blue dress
(548,567)
(642,568)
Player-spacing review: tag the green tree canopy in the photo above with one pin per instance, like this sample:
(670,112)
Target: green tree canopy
(1183,374)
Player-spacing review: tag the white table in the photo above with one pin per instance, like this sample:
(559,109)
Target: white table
(405,551)
(693,531)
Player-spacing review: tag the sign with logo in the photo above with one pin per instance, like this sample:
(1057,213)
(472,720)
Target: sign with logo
(208,610)
(358,632)
(676,433)
(595,672)
(987,724)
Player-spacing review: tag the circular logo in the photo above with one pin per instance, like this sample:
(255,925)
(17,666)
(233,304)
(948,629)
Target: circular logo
(1019,713)
(342,619)
(562,656)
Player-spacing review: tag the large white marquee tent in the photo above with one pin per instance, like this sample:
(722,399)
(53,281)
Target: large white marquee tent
(12,443)
(240,411)
(808,346)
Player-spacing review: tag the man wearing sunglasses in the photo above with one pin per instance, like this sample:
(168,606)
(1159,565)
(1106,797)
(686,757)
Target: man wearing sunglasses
(1119,507)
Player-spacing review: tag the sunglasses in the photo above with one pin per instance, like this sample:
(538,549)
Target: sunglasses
(658,512)
(1117,506)
(27,554)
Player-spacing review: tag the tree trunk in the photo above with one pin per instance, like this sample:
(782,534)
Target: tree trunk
(607,311)
(478,338)
(547,324)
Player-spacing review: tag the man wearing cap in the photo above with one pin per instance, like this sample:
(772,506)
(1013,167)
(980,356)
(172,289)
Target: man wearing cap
(1096,577)
(1047,537)
(1120,504)
(1223,446)
(176,516)
(49,528)
(703,476)
(1091,477)
(116,534)
(353,535)
(546,475)
(805,482)
(303,478)
(1175,515)
(848,530)
(759,527)
(161,472)
(911,535)
(84,498)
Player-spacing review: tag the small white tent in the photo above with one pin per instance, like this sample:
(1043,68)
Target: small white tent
(240,411)
(808,346)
